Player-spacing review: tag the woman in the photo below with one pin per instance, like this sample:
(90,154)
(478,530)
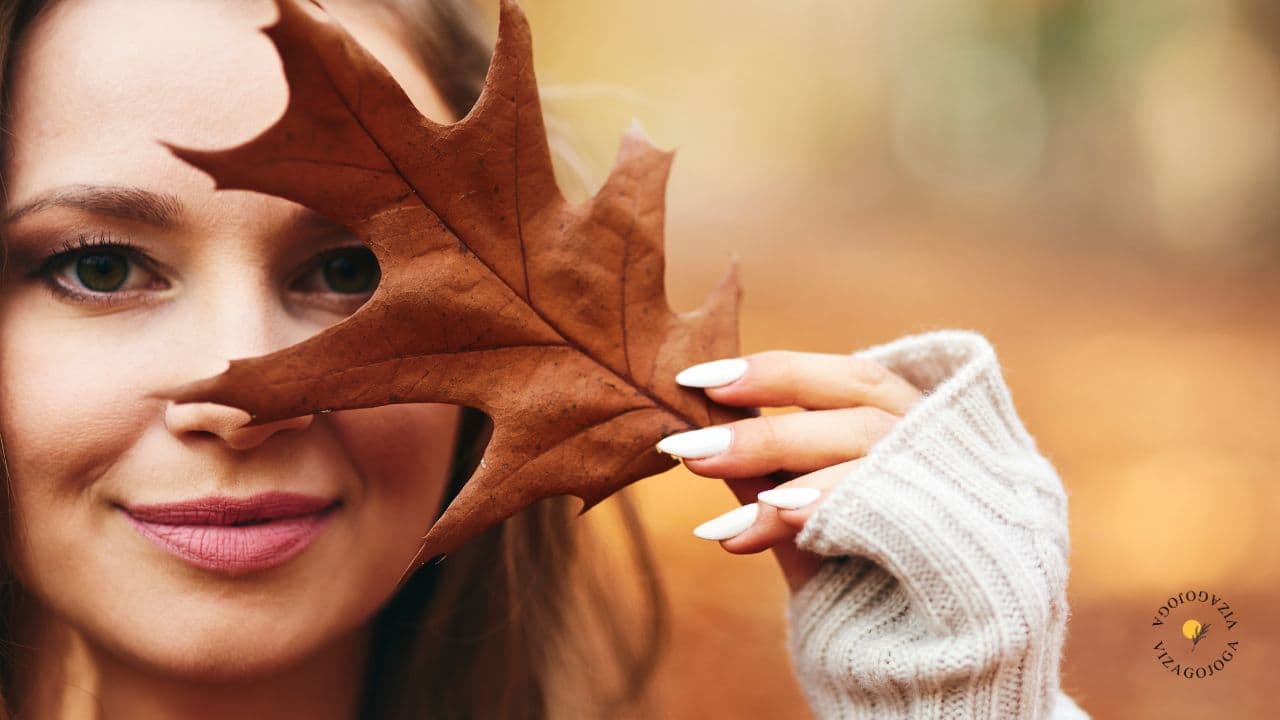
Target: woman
(126,272)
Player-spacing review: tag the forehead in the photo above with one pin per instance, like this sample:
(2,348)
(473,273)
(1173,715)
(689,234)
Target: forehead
(96,83)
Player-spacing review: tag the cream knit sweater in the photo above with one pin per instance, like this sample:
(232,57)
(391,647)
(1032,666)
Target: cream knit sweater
(944,595)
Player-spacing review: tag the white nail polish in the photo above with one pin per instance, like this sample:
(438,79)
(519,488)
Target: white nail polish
(790,498)
(700,443)
(712,374)
(728,524)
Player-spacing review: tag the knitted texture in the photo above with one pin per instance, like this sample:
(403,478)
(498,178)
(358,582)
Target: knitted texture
(944,591)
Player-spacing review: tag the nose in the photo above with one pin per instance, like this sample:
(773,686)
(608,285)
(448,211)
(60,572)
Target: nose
(225,422)
(235,314)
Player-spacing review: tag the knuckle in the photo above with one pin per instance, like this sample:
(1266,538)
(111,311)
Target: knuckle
(787,375)
(882,422)
(868,372)
(770,439)
(871,422)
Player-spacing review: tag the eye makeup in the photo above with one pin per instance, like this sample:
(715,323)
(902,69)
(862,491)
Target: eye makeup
(337,279)
(103,244)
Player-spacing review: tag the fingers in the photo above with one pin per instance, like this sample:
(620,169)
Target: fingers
(814,381)
(798,442)
(773,528)
(774,525)
(851,403)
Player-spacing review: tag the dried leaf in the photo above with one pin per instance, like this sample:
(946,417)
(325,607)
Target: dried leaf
(496,293)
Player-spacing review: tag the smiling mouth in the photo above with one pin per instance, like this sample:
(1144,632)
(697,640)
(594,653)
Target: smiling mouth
(235,536)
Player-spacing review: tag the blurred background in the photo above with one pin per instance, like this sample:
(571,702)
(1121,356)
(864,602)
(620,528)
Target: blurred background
(1092,184)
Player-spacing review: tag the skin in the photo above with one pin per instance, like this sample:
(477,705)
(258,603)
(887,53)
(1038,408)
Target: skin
(847,405)
(120,628)
(124,628)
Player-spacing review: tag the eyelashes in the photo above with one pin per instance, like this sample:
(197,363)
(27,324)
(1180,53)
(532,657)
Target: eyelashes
(96,248)
(82,242)
(94,268)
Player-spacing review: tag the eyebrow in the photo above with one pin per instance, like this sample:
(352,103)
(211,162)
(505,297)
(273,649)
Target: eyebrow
(129,203)
(161,210)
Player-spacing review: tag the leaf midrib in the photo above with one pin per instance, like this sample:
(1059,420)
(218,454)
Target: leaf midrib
(571,342)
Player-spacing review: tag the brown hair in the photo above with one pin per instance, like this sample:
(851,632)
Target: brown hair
(518,623)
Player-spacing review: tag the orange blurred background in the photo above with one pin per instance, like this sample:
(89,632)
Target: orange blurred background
(1091,184)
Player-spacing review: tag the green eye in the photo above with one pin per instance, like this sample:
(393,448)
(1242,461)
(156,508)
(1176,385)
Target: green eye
(102,272)
(353,270)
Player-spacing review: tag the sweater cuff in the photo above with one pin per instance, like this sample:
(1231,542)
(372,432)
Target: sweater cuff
(947,553)
(937,500)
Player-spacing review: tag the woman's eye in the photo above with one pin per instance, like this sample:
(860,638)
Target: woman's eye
(98,272)
(347,271)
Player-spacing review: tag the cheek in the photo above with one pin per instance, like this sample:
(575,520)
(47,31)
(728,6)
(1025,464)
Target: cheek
(402,454)
(68,409)
(68,413)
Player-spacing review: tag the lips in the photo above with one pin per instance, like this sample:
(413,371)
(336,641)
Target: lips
(235,535)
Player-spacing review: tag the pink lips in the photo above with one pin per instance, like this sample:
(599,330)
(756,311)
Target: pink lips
(235,535)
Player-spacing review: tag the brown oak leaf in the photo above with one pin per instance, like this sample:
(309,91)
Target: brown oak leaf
(495,292)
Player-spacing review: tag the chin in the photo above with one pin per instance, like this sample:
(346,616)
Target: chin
(226,648)
(190,631)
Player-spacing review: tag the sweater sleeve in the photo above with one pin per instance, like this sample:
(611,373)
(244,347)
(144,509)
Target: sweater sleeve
(943,593)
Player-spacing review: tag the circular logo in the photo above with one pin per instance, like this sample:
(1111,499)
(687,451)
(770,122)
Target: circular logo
(1195,634)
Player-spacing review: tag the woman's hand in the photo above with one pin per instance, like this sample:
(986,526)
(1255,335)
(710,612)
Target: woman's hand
(850,404)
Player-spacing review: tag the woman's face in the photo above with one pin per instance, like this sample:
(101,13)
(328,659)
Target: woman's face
(227,274)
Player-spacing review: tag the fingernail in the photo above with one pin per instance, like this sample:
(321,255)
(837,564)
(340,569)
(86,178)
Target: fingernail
(790,498)
(712,374)
(728,524)
(695,444)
